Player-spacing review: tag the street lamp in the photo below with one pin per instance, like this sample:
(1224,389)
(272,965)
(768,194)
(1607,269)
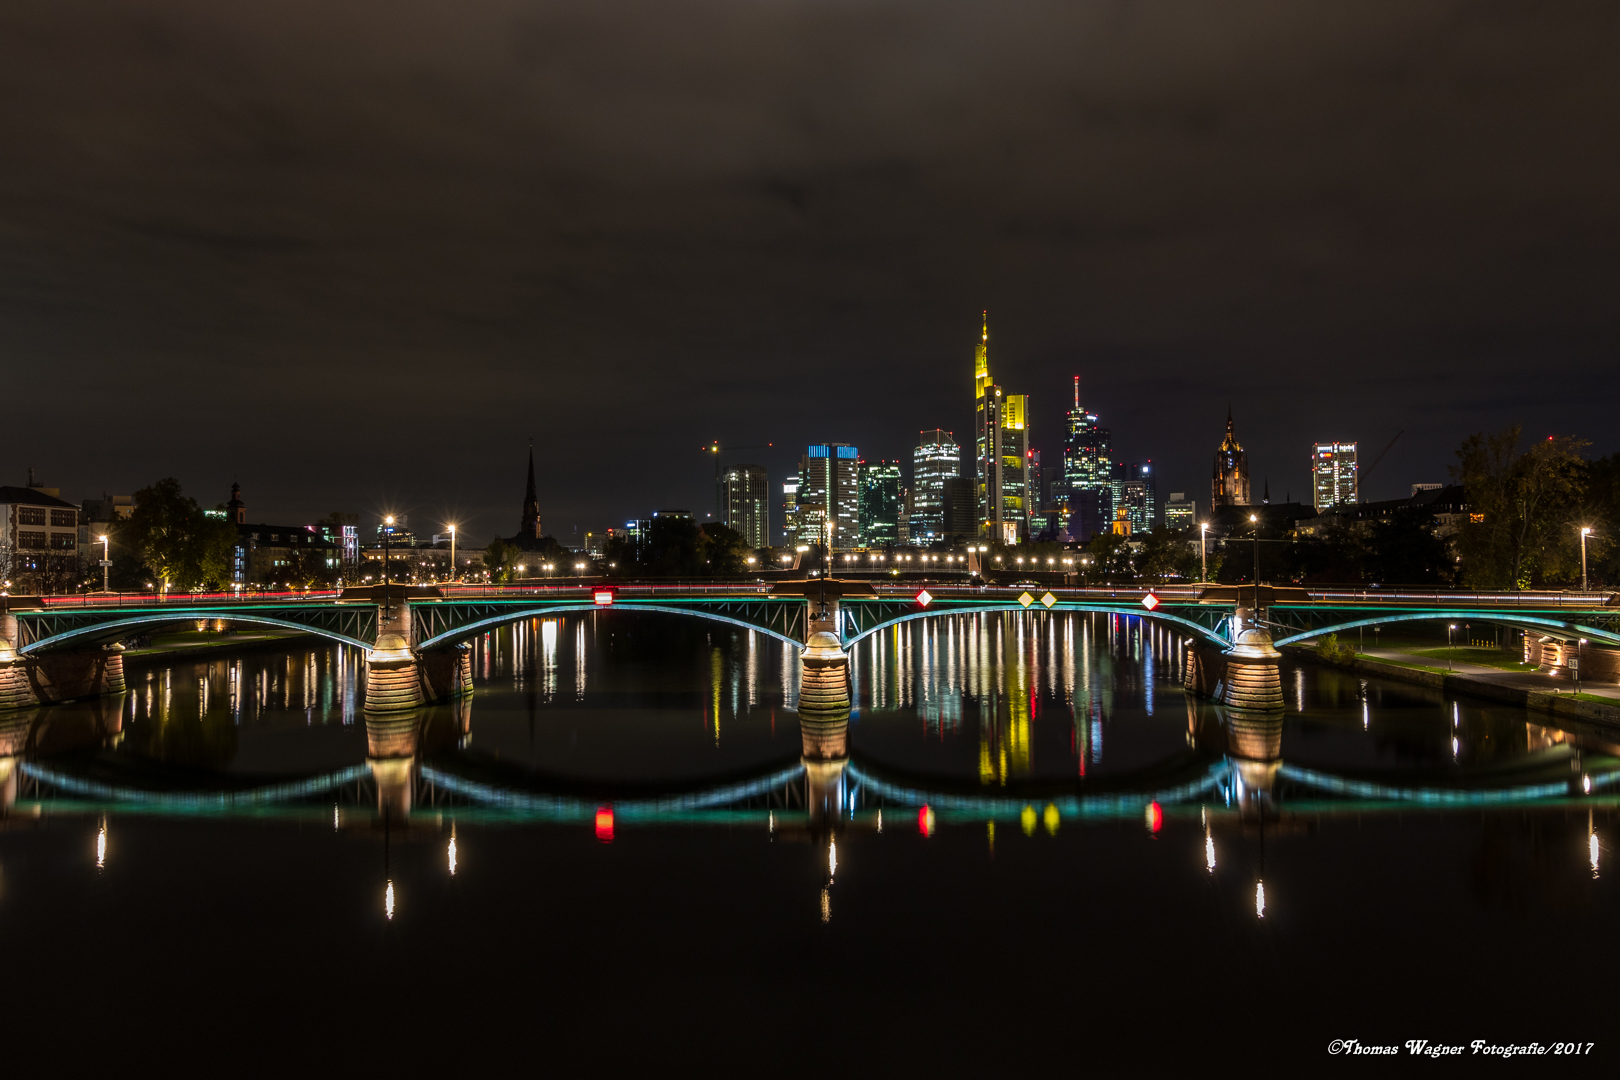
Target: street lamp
(452,553)
(106,559)
(1255,519)
(1203,550)
(388,533)
(1450,649)
(1586,531)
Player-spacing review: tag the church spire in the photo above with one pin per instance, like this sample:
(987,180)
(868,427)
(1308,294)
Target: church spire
(530,528)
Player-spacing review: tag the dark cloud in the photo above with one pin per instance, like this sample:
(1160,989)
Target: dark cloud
(356,253)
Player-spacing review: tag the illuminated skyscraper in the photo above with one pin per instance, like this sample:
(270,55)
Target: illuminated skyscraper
(1001,452)
(746,498)
(1134,488)
(829,491)
(1230,484)
(1087,473)
(1020,489)
(880,503)
(1333,475)
(936,459)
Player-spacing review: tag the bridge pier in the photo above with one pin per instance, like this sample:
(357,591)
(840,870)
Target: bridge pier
(1252,679)
(824,677)
(16,692)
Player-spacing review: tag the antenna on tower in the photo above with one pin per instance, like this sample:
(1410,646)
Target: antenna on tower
(1077,393)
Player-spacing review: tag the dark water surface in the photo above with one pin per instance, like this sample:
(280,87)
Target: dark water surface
(1041,853)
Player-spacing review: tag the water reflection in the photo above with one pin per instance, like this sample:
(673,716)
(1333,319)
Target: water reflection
(965,721)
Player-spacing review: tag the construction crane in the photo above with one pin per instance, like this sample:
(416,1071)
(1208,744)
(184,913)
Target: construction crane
(719,488)
(1360,484)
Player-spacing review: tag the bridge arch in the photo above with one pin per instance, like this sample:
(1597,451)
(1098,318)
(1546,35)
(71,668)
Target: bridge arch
(1527,622)
(1134,611)
(505,618)
(100,633)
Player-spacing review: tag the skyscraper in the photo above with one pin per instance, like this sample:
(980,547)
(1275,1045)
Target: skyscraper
(790,511)
(1230,483)
(829,492)
(745,494)
(1087,472)
(1180,512)
(1019,490)
(1333,475)
(1001,448)
(880,503)
(936,459)
(1134,488)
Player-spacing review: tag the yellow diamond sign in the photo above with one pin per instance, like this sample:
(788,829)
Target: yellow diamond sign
(1048,600)
(1025,599)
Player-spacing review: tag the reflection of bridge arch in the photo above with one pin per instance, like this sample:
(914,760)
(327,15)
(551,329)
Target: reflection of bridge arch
(1131,610)
(1527,622)
(102,632)
(506,618)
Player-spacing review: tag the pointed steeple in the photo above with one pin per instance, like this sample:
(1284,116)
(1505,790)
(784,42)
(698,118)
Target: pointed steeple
(528,492)
(530,528)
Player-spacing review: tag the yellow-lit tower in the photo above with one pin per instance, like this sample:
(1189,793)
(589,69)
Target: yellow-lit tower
(987,439)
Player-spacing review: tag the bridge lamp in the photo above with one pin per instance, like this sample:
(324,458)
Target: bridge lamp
(1586,530)
(452,553)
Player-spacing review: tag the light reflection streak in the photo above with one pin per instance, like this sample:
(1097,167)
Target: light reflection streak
(1260,899)
(451,853)
(1209,852)
(101,845)
(388,900)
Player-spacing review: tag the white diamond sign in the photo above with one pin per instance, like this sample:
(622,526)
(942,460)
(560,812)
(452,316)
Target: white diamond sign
(1025,599)
(1150,602)
(1048,600)
(924,598)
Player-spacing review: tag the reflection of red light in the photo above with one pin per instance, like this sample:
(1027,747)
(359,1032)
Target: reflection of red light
(1155,816)
(925,821)
(604,824)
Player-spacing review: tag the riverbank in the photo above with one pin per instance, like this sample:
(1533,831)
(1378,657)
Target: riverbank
(1587,708)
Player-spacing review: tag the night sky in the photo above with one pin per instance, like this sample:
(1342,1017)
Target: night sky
(354,254)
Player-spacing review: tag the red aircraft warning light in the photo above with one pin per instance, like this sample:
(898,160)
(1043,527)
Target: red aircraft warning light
(1151,602)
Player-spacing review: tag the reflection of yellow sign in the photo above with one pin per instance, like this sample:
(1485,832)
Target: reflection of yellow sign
(1048,600)
(1025,599)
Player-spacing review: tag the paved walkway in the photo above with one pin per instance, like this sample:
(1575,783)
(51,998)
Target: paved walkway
(1524,680)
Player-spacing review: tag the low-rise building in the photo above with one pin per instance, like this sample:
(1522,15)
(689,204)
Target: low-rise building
(39,539)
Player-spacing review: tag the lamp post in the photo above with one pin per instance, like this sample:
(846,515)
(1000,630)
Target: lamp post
(1450,646)
(1255,520)
(452,553)
(1585,532)
(388,532)
(106,559)
(1203,551)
